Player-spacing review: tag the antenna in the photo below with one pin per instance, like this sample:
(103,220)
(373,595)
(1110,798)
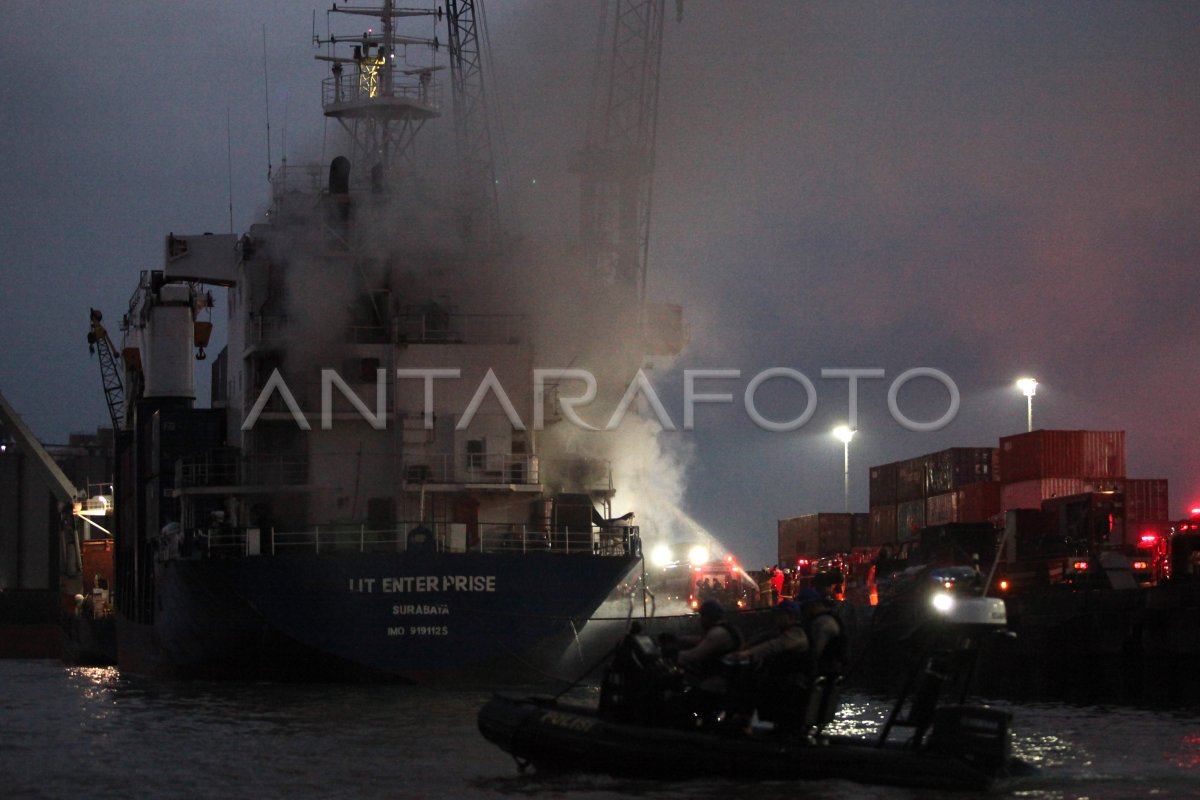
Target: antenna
(267,99)
(229,164)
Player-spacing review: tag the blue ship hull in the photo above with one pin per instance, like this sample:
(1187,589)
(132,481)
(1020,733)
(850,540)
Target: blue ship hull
(367,616)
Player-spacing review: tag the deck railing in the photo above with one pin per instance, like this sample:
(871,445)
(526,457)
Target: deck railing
(428,537)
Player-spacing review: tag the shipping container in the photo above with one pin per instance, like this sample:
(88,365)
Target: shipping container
(883,485)
(883,525)
(860,534)
(910,518)
(978,502)
(814,536)
(910,479)
(1030,494)
(1146,500)
(941,509)
(1062,454)
(947,470)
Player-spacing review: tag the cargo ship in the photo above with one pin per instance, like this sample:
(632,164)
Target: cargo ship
(362,499)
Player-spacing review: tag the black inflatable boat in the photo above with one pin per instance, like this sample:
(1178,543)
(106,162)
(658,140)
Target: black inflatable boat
(636,732)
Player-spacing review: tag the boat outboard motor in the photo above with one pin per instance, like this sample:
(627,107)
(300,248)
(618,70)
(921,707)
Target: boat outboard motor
(972,733)
(638,682)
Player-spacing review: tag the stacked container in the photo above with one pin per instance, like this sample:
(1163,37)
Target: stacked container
(928,491)
(814,536)
(977,484)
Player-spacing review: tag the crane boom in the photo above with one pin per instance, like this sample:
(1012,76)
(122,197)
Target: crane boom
(616,166)
(114,393)
(472,118)
(52,474)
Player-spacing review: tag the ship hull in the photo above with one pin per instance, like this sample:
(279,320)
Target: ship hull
(366,616)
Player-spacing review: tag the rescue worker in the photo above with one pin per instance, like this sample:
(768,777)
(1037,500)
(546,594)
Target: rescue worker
(700,657)
(783,649)
(777,686)
(826,634)
(776,584)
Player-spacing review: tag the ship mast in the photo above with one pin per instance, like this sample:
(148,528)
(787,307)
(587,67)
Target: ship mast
(380,104)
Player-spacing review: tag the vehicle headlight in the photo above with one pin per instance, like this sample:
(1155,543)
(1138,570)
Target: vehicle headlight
(942,602)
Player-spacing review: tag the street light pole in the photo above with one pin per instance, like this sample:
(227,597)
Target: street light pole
(1028,387)
(845,434)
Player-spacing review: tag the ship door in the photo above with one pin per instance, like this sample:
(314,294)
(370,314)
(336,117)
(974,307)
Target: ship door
(465,511)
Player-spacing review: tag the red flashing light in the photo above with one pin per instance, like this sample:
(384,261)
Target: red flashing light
(1196,512)
(1080,566)
(1003,585)
(1148,539)
(1141,565)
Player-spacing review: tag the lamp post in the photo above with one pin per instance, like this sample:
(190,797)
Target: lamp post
(844,434)
(1028,387)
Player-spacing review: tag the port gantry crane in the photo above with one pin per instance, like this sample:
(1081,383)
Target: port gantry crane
(616,165)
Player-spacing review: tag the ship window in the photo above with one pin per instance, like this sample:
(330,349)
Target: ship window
(476,453)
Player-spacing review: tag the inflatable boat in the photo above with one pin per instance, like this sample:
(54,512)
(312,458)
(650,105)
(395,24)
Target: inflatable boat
(637,730)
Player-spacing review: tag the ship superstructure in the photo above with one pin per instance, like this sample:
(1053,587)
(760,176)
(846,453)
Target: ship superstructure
(366,495)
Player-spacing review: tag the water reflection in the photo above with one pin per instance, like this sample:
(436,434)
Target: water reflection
(135,737)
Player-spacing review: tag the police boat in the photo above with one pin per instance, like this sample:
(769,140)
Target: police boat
(646,726)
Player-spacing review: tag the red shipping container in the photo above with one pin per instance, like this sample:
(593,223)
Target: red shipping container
(979,502)
(883,485)
(883,525)
(941,508)
(1062,454)
(1030,494)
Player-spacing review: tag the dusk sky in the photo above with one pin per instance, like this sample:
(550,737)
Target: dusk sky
(987,189)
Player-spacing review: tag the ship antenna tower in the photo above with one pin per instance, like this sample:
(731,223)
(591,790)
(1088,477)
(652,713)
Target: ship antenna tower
(378,102)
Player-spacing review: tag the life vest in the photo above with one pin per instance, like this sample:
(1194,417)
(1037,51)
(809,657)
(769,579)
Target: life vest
(833,659)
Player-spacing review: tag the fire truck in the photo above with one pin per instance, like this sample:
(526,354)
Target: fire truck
(722,580)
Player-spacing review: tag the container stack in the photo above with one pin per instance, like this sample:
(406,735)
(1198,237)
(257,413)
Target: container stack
(953,485)
(977,484)
(814,536)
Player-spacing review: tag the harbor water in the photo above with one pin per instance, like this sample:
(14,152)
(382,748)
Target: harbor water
(91,733)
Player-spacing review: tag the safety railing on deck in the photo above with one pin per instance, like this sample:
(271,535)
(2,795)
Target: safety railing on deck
(361,85)
(428,538)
